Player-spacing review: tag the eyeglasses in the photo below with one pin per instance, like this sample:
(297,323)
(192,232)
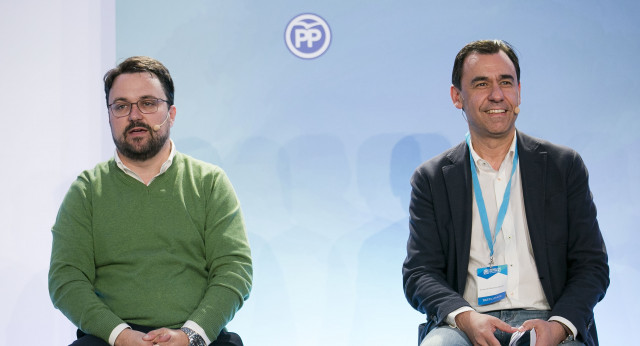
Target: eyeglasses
(121,109)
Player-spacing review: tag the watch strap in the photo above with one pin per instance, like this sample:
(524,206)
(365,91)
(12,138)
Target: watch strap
(194,338)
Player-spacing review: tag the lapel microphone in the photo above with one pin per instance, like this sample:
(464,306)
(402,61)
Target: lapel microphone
(156,128)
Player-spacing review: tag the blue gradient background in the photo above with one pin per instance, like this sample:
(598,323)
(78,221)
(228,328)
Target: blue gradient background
(320,151)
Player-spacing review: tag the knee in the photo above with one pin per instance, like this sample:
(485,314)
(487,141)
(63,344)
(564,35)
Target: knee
(445,335)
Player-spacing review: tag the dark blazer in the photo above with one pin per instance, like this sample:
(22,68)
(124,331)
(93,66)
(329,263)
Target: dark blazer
(567,244)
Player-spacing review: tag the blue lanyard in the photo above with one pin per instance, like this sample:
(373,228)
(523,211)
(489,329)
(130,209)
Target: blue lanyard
(480,200)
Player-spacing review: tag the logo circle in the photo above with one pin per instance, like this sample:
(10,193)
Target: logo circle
(307,36)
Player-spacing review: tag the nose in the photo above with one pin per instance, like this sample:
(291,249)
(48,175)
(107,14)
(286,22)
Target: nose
(496,94)
(135,113)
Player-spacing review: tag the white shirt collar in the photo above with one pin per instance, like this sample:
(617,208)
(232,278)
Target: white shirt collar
(133,174)
(482,163)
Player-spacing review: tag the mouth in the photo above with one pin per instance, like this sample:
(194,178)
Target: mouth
(496,111)
(136,130)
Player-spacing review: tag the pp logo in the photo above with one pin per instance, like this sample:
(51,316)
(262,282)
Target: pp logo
(307,36)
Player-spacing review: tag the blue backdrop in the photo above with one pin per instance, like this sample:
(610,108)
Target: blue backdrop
(320,151)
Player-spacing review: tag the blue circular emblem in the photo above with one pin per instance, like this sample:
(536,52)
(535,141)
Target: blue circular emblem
(307,36)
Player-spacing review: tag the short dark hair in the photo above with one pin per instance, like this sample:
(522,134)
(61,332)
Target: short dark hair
(482,47)
(141,64)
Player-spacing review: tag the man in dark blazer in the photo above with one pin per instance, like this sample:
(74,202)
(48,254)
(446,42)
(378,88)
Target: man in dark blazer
(557,264)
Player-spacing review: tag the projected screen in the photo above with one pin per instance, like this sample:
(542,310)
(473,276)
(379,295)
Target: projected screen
(320,113)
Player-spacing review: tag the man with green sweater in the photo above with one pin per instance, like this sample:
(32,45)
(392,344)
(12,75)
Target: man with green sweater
(149,248)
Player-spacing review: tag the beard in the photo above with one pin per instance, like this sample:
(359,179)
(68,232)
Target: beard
(140,151)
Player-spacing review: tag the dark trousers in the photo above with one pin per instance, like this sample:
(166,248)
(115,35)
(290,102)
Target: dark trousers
(224,339)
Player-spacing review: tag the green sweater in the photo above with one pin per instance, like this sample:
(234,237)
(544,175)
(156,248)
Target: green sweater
(155,255)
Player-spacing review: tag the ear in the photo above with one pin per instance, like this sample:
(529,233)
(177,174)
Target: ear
(456,97)
(172,115)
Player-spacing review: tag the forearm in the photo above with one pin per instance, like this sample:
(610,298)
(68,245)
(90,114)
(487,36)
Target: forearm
(432,296)
(229,285)
(79,303)
(567,326)
(451,318)
(216,310)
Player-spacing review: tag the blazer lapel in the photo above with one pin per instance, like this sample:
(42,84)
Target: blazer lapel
(533,167)
(457,178)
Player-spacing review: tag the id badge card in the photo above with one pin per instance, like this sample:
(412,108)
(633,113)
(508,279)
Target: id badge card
(492,284)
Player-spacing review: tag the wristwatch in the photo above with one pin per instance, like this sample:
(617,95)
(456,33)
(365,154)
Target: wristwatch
(568,331)
(194,338)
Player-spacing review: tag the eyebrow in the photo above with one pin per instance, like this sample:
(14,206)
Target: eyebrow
(483,78)
(141,98)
